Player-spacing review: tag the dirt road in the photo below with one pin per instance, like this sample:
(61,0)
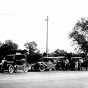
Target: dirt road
(45,80)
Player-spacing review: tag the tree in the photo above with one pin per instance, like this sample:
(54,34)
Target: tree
(34,54)
(59,52)
(31,46)
(11,44)
(6,48)
(79,35)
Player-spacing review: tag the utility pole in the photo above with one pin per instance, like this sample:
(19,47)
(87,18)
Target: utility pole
(47,37)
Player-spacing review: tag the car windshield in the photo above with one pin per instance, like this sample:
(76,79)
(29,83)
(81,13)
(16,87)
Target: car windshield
(18,57)
(13,57)
(9,58)
(53,58)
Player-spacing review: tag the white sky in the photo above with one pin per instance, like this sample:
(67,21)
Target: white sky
(24,20)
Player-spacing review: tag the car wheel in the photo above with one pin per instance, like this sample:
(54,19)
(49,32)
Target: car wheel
(11,69)
(26,68)
(41,68)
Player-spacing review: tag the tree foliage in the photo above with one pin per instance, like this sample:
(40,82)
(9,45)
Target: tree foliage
(34,54)
(6,48)
(11,44)
(31,46)
(59,52)
(79,35)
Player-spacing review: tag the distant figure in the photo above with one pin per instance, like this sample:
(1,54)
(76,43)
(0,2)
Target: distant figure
(72,65)
(80,64)
(66,64)
(76,65)
(2,63)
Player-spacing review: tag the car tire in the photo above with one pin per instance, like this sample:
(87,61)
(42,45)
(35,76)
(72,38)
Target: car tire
(11,69)
(25,69)
(41,68)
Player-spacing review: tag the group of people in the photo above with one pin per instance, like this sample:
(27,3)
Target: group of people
(67,64)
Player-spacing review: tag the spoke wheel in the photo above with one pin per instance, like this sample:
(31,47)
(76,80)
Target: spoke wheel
(26,68)
(11,69)
(41,68)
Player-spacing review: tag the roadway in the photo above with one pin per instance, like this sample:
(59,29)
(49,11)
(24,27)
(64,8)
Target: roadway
(54,79)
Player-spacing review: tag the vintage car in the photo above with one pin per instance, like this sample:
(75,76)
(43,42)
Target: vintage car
(60,65)
(76,63)
(13,62)
(47,64)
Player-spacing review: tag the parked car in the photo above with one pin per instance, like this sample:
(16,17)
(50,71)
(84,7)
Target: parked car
(76,63)
(48,64)
(13,62)
(60,65)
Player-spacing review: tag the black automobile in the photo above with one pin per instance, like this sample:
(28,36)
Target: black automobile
(13,62)
(46,64)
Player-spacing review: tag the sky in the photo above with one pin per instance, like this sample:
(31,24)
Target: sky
(24,21)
